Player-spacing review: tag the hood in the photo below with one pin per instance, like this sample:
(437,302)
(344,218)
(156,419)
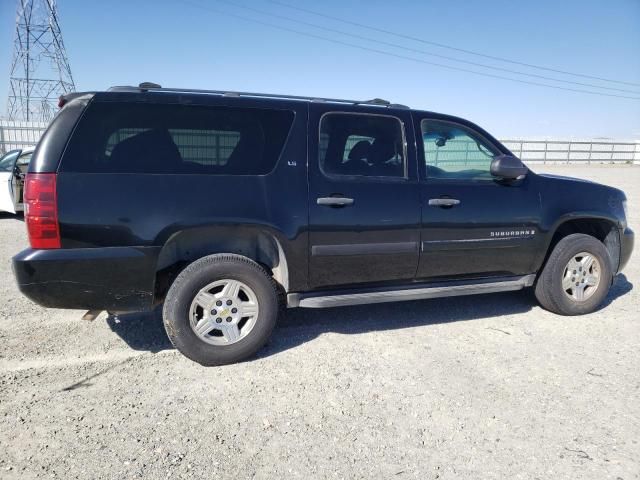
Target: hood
(580,184)
(577,195)
(562,177)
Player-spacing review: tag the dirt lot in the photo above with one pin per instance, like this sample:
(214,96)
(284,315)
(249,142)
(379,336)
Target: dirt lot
(476,387)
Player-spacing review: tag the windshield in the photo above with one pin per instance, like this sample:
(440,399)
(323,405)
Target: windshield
(8,161)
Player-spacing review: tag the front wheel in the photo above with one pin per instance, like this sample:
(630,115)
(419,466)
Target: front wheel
(221,309)
(577,276)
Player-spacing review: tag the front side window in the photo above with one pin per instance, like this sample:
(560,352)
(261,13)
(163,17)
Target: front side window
(362,145)
(177,139)
(8,161)
(452,151)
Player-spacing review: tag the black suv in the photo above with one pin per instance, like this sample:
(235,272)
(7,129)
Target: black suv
(226,205)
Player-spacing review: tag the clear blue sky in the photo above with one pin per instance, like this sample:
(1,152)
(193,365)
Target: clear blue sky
(174,43)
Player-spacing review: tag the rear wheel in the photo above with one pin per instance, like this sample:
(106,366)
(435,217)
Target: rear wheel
(576,277)
(221,309)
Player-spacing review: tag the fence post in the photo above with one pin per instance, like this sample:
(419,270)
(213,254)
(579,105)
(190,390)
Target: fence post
(466,153)
(636,154)
(2,149)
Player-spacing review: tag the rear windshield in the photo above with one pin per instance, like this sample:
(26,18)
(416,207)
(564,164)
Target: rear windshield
(151,138)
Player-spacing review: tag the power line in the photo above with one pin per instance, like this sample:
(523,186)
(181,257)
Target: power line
(423,52)
(442,45)
(395,55)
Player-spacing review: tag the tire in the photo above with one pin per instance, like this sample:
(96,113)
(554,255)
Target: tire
(556,275)
(183,313)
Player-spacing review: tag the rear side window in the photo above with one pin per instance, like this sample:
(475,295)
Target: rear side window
(175,139)
(362,145)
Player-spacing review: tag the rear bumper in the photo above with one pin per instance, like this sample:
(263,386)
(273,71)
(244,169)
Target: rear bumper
(115,278)
(626,247)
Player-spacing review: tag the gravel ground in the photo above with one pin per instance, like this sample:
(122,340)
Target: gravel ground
(471,387)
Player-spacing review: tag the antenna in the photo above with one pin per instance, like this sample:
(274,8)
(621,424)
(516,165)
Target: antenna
(40,70)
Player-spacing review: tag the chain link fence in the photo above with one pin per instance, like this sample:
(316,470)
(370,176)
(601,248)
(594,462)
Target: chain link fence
(14,135)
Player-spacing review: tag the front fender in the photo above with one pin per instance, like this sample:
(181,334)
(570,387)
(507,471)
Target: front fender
(566,200)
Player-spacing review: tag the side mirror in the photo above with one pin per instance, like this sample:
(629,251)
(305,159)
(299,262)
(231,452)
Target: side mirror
(508,167)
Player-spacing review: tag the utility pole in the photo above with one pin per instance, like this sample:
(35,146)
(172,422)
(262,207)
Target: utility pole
(40,70)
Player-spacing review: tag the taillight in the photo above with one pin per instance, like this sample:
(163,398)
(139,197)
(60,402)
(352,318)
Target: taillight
(41,210)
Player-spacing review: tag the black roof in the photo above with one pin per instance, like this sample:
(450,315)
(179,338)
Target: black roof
(138,93)
(154,87)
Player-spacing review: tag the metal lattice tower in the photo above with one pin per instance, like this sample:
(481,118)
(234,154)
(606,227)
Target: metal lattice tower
(40,70)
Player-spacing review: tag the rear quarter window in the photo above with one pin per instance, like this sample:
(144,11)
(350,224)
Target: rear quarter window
(177,139)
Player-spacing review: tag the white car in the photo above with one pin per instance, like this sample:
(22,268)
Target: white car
(13,167)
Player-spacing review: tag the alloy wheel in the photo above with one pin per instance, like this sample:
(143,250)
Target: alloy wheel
(581,277)
(224,312)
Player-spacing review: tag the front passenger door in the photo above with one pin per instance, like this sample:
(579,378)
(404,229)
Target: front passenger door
(473,224)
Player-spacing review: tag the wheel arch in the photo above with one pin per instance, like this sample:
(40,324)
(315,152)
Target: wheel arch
(185,246)
(603,228)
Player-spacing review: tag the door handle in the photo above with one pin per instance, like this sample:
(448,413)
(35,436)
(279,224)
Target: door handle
(443,202)
(335,201)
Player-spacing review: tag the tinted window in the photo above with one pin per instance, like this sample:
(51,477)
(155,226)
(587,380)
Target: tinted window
(149,138)
(454,151)
(362,145)
(352,141)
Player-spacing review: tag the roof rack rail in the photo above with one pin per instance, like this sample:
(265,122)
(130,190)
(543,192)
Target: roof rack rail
(377,101)
(149,86)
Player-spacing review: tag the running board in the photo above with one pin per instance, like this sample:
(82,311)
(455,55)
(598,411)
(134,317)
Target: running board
(450,289)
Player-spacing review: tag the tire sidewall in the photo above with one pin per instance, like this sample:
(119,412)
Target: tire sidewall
(191,281)
(566,249)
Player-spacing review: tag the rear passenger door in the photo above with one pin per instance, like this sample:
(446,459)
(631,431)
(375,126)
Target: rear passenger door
(364,207)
